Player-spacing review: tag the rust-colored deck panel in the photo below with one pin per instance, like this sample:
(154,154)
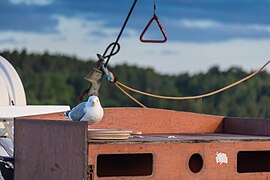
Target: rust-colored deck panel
(171,161)
(224,148)
(148,120)
(172,155)
(183,138)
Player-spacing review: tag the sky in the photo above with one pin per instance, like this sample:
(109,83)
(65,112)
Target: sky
(200,33)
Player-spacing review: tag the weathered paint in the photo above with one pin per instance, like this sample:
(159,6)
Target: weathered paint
(171,160)
(50,150)
(173,137)
(147,120)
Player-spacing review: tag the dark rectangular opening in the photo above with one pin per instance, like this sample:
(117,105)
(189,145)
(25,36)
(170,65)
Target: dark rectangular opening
(111,165)
(253,161)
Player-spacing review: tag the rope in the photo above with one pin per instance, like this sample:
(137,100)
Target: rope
(131,97)
(118,84)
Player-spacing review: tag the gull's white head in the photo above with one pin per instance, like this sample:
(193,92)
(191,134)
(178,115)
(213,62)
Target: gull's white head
(93,101)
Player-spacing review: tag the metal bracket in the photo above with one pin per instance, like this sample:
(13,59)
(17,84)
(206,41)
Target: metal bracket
(96,74)
(90,172)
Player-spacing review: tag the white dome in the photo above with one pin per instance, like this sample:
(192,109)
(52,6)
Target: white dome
(11,87)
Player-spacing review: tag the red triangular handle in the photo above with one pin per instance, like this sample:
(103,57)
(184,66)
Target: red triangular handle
(146,28)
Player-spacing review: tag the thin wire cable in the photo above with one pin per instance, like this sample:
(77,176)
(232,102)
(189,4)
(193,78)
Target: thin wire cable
(131,97)
(197,96)
(120,33)
(155,8)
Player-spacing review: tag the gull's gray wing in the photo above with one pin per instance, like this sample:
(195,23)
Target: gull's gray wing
(77,112)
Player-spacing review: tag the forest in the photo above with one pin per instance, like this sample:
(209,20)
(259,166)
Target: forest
(59,79)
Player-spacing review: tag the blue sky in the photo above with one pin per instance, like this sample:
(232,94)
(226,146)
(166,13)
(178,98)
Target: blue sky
(201,33)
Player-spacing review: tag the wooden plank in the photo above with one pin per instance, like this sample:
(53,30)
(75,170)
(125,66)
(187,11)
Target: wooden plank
(50,149)
(248,126)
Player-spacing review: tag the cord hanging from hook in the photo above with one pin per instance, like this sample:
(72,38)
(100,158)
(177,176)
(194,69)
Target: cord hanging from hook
(155,8)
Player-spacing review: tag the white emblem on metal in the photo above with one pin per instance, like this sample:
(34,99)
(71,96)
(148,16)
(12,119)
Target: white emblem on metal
(221,158)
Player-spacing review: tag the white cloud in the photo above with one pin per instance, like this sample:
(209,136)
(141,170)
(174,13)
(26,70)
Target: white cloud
(196,57)
(201,24)
(209,24)
(30,2)
(259,27)
(75,38)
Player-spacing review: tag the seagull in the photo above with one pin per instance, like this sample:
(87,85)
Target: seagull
(90,111)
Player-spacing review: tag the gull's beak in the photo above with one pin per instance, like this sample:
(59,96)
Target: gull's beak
(94,103)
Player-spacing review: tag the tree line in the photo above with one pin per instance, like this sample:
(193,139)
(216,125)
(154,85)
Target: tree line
(59,79)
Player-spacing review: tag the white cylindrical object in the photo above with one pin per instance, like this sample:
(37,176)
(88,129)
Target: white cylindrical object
(11,87)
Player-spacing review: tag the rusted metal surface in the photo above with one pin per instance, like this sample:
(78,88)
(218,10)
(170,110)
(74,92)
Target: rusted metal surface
(151,120)
(183,146)
(171,161)
(247,126)
(183,138)
(50,150)
(159,121)
(148,120)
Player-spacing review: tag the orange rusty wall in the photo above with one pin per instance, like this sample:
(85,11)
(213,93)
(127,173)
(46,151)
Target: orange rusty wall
(148,120)
(171,160)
